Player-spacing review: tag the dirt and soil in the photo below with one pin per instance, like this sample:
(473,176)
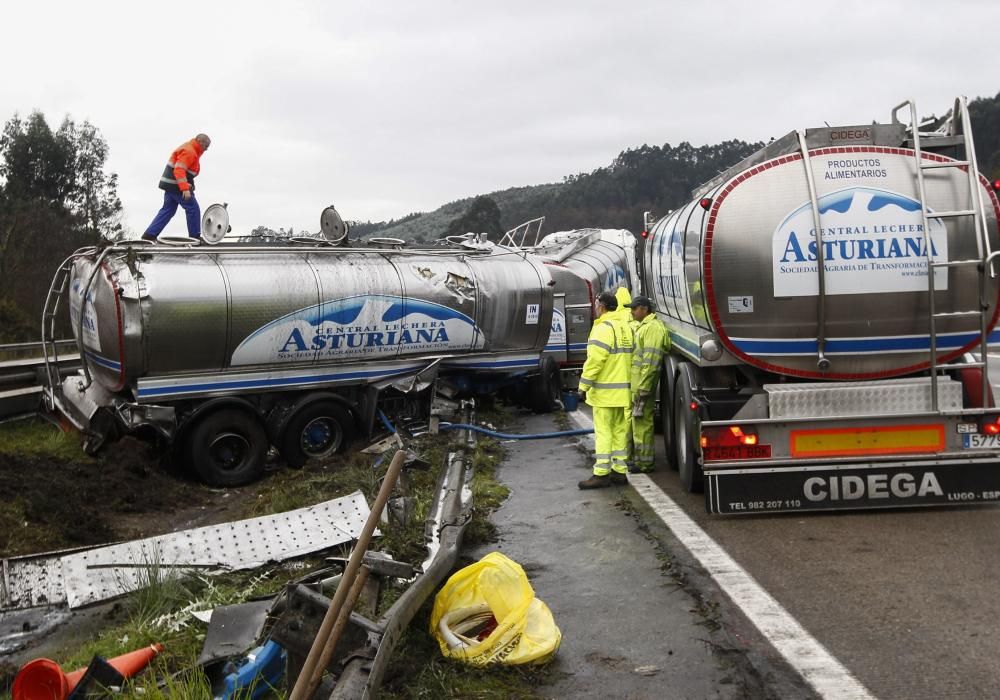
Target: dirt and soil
(54,502)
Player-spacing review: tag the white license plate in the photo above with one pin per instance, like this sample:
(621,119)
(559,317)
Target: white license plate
(981,442)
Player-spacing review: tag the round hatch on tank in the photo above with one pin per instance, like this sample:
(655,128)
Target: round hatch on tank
(332,226)
(215,223)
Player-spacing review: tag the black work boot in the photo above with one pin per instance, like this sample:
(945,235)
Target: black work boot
(147,237)
(618,479)
(596,482)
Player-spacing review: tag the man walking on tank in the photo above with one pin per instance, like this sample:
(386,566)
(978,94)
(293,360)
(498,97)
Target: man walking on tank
(652,341)
(605,380)
(177,183)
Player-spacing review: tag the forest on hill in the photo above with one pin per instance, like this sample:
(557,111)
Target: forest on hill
(57,195)
(647,178)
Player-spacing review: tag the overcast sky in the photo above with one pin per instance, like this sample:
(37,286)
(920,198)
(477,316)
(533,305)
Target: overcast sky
(385,108)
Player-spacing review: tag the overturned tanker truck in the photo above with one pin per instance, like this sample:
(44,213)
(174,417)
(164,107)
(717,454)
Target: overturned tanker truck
(227,350)
(831,300)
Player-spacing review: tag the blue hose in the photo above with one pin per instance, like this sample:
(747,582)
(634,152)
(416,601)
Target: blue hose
(510,436)
(385,421)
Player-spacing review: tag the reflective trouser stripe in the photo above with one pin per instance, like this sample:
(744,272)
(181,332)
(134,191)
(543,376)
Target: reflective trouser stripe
(643,440)
(610,440)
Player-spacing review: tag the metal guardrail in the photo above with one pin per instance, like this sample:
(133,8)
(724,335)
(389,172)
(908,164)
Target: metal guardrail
(22,375)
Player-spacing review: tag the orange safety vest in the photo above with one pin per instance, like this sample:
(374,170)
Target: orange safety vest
(183,166)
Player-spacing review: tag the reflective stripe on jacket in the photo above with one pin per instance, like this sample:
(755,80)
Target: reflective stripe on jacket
(183,166)
(652,341)
(605,375)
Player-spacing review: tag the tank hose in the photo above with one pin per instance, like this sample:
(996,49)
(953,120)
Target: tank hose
(511,436)
(385,421)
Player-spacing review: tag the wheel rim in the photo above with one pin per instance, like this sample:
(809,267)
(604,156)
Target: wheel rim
(320,437)
(680,437)
(229,451)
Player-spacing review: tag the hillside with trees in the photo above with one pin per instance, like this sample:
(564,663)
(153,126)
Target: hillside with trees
(647,178)
(55,197)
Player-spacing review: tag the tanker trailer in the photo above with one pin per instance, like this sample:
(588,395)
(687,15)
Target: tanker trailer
(830,300)
(227,350)
(583,263)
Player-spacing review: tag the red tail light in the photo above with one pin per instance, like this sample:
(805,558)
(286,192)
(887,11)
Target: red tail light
(645,234)
(996,185)
(990,426)
(705,203)
(732,435)
(732,442)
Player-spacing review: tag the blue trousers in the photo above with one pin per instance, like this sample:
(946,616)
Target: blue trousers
(171,200)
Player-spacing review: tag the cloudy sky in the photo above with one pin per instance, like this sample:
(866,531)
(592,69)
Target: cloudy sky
(385,108)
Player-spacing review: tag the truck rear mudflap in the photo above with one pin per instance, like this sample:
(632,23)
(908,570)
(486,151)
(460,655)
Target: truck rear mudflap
(902,484)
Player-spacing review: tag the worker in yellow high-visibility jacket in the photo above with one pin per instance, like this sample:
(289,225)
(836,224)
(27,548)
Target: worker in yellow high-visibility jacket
(605,380)
(652,341)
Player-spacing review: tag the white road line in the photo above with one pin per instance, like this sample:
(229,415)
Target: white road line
(805,654)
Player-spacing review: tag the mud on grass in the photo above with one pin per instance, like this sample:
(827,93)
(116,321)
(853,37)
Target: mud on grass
(63,498)
(58,497)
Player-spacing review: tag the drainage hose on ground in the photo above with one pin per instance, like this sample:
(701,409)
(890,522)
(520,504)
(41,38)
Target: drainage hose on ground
(511,436)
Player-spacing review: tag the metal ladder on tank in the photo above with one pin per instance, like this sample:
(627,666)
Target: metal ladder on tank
(960,128)
(50,312)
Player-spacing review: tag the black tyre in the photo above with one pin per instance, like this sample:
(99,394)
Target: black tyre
(667,414)
(227,448)
(317,431)
(686,434)
(546,387)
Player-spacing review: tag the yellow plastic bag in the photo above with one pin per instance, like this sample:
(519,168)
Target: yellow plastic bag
(494,587)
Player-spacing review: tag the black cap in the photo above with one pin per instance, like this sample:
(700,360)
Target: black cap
(640,301)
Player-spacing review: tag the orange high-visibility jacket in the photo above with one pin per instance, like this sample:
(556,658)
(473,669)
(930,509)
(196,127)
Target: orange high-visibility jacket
(183,166)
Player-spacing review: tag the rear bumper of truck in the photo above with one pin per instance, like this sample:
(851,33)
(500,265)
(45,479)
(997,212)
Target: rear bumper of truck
(853,486)
(853,462)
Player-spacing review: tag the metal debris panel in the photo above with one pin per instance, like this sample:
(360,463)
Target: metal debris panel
(92,575)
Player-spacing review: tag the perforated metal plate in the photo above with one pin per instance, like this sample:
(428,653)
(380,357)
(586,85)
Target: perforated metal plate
(861,398)
(32,581)
(84,577)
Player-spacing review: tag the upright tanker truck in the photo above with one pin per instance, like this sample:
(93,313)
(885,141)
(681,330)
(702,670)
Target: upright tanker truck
(831,300)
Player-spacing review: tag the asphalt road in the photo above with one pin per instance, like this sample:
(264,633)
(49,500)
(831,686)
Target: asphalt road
(904,599)
(629,630)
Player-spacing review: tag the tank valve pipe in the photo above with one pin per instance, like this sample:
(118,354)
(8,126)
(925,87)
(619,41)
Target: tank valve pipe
(512,436)
(822,361)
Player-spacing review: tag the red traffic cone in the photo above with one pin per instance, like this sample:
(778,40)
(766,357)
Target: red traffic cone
(133,662)
(42,679)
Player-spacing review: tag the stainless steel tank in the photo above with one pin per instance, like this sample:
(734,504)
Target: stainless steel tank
(235,310)
(583,263)
(739,263)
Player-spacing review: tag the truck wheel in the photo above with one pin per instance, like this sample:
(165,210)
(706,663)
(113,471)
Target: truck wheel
(686,435)
(667,417)
(547,386)
(317,431)
(227,448)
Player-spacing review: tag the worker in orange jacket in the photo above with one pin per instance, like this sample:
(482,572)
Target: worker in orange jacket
(177,183)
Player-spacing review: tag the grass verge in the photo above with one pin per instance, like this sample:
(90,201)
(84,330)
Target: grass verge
(160,612)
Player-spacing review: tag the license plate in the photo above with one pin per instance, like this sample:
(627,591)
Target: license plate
(725,453)
(981,442)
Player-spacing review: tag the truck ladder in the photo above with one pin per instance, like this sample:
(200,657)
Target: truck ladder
(50,349)
(961,128)
(50,312)
(822,361)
